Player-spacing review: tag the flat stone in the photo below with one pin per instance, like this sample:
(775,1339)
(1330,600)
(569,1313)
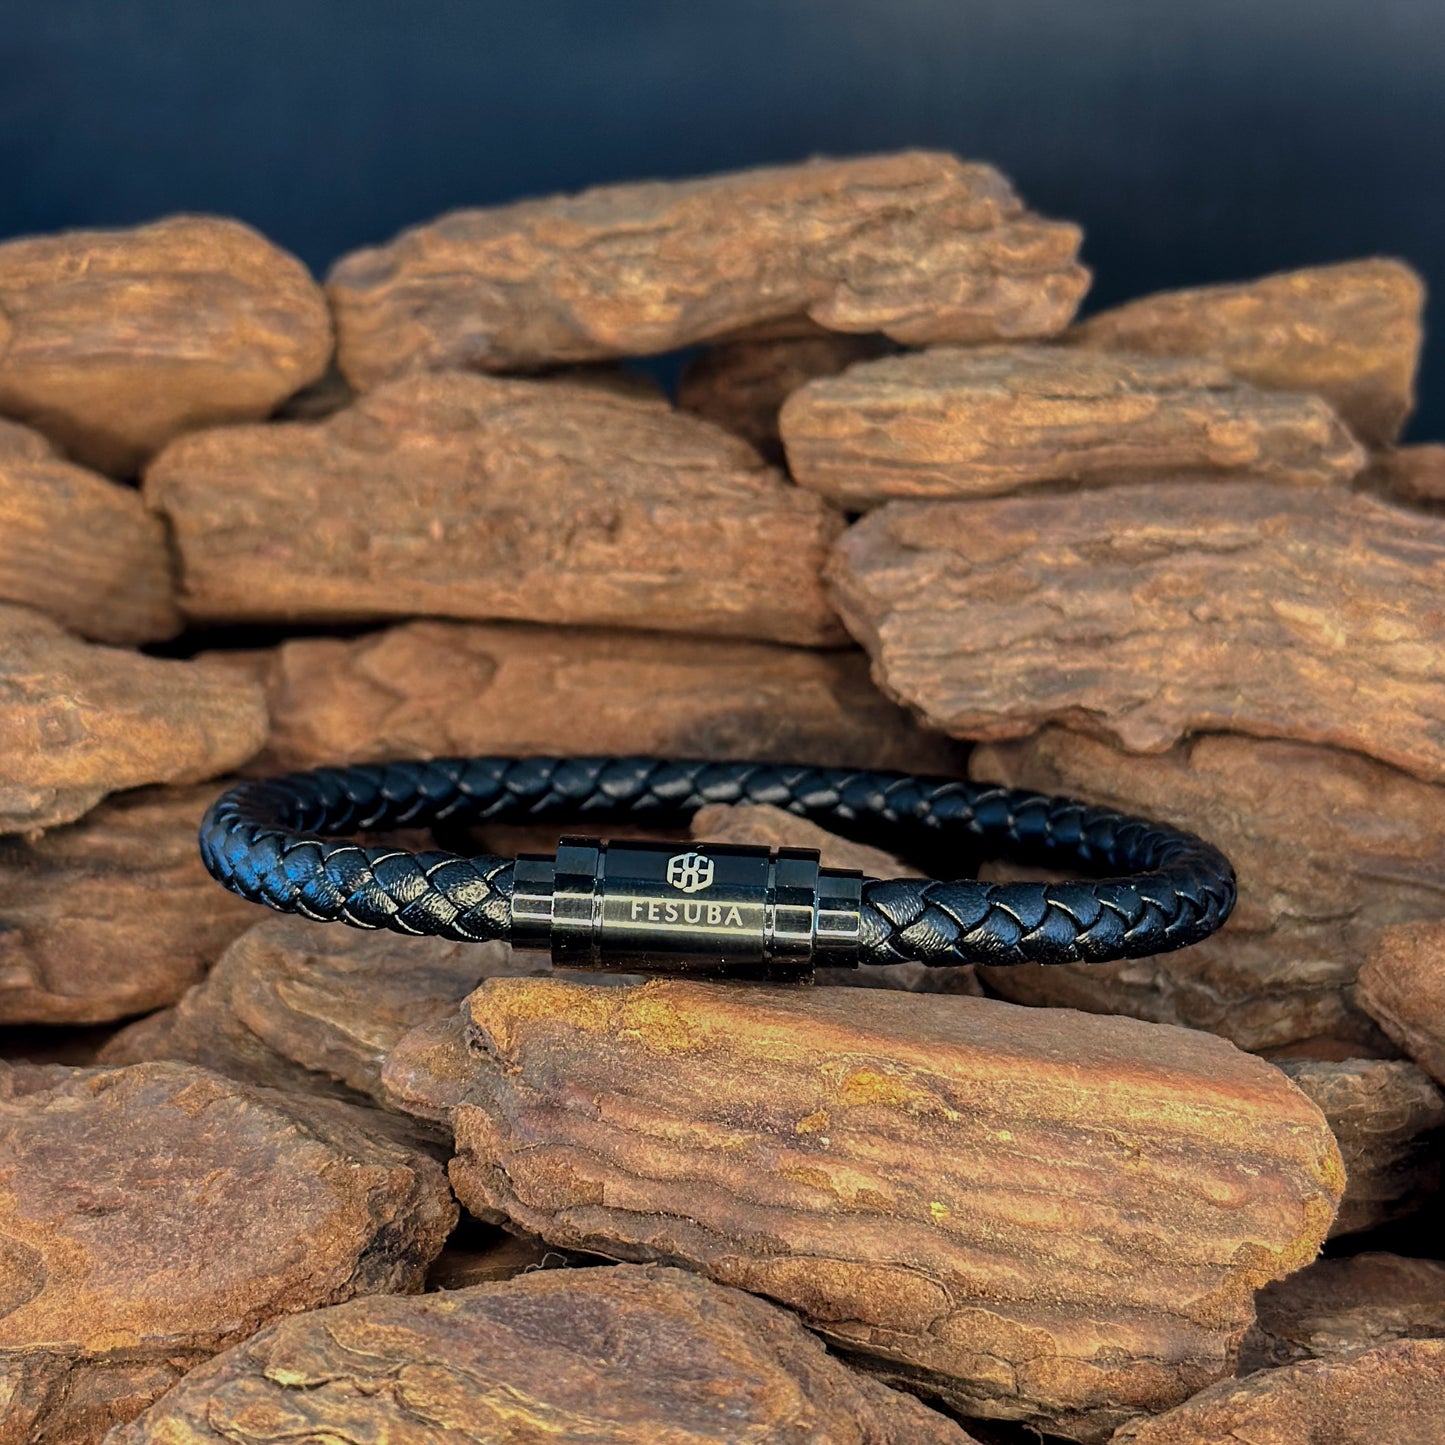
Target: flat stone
(313,1007)
(113,342)
(483,498)
(80,548)
(439,689)
(1350,332)
(1329,848)
(79,721)
(920,246)
(1141,614)
(1334,1307)
(891,1167)
(979,421)
(1389,1121)
(646,1355)
(113,915)
(151,1216)
(1395,1392)
(1402,987)
(742,385)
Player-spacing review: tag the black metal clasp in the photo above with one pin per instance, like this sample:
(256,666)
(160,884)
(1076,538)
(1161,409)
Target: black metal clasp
(713,909)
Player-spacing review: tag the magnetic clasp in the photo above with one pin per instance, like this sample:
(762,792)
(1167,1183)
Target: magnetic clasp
(706,909)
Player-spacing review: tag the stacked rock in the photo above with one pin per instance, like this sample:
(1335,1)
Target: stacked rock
(905,513)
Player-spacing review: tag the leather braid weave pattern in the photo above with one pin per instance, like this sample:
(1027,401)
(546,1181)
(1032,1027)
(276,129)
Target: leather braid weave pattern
(283,842)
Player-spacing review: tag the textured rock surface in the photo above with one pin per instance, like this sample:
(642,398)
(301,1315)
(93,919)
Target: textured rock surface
(437,689)
(79,721)
(1414,475)
(921,246)
(1350,333)
(112,915)
(990,1203)
(646,1355)
(112,342)
(1389,1121)
(80,548)
(1140,614)
(1336,1306)
(1402,987)
(1329,849)
(483,497)
(152,1216)
(311,1006)
(741,385)
(984,420)
(1394,1393)
(762,823)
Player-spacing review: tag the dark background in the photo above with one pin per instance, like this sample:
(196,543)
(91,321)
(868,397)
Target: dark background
(1196,140)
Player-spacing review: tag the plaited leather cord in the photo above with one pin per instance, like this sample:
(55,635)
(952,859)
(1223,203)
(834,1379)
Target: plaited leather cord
(281,842)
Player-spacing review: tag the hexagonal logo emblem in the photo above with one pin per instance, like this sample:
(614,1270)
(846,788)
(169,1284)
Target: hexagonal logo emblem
(690,872)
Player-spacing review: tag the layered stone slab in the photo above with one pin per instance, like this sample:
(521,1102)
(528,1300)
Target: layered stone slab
(1143,614)
(80,548)
(152,1216)
(980,421)
(80,721)
(1032,1214)
(918,245)
(113,342)
(1350,333)
(483,498)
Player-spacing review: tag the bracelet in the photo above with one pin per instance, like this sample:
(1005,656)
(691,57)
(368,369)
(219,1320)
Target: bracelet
(714,909)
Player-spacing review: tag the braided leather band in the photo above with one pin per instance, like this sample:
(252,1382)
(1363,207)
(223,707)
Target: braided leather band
(275,842)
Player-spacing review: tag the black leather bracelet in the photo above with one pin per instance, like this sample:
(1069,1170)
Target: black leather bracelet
(714,909)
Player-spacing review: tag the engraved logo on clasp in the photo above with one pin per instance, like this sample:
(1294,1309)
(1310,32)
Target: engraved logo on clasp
(690,872)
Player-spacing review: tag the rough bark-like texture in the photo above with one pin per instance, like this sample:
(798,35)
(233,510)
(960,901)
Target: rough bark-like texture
(484,497)
(1337,1306)
(80,548)
(1141,614)
(1389,1121)
(646,1356)
(920,246)
(78,721)
(892,1167)
(984,420)
(438,689)
(762,823)
(1402,987)
(1349,332)
(741,385)
(1395,1393)
(310,1006)
(112,915)
(1414,475)
(154,1215)
(112,342)
(1329,849)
